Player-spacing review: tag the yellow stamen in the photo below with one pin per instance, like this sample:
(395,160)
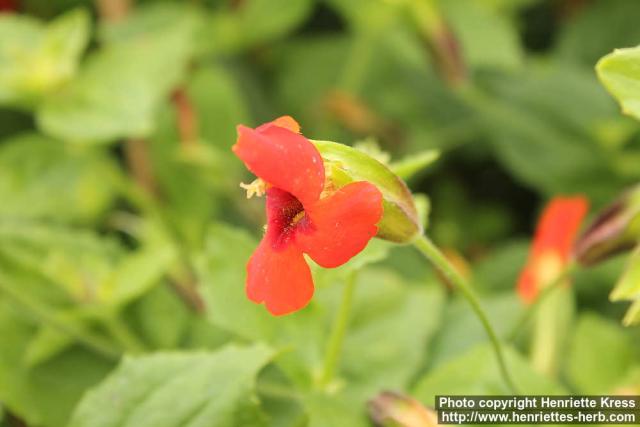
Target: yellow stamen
(256,188)
(297,218)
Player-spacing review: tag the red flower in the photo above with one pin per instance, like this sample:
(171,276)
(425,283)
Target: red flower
(301,217)
(8,5)
(552,244)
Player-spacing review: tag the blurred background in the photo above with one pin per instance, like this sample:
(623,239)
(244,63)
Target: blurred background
(123,228)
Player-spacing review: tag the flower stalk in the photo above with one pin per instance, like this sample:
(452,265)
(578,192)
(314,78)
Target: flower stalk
(338,332)
(437,258)
(550,331)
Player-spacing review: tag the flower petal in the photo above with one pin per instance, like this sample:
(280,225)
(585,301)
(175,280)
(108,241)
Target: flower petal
(283,159)
(559,224)
(280,279)
(342,224)
(552,244)
(527,285)
(286,122)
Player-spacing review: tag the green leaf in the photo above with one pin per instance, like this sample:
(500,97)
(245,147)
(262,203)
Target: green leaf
(400,222)
(33,168)
(21,278)
(600,355)
(46,394)
(63,320)
(382,349)
(543,126)
(47,343)
(215,389)
(509,6)
(632,317)
(375,251)
(152,20)
(245,26)
(461,330)
(414,163)
(487,38)
(138,272)
(76,260)
(36,59)
(628,288)
(620,73)
(500,269)
(119,89)
(87,268)
(476,372)
(366,15)
(162,317)
(335,410)
(588,35)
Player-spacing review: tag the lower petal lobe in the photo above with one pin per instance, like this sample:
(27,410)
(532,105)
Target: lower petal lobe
(280,279)
(343,223)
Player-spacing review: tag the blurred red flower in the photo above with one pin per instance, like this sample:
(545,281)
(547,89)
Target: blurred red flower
(552,244)
(8,5)
(301,217)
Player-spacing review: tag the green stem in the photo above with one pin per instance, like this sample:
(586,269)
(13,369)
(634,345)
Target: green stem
(45,315)
(121,333)
(436,257)
(546,291)
(338,332)
(550,331)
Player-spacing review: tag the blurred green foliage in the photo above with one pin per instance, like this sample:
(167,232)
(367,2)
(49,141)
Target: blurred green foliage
(123,231)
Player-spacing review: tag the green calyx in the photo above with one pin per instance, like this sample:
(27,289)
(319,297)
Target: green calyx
(400,222)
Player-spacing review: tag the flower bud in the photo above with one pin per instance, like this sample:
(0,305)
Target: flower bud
(400,222)
(616,229)
(391,409)
(440,40)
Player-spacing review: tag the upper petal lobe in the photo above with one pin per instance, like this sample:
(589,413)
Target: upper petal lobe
(559,225)
(280,279)
(282,158)
(286,122)
(343,224)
